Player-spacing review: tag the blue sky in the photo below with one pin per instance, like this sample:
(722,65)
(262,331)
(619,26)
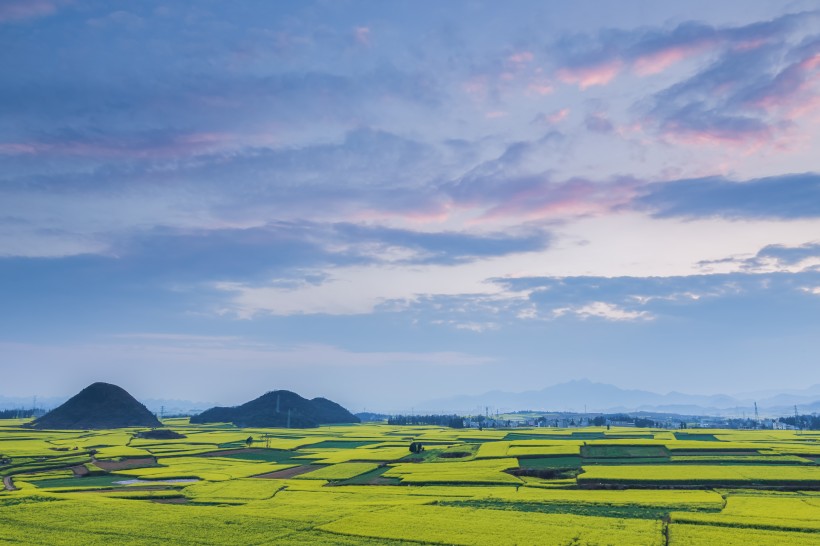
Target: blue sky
(389,202)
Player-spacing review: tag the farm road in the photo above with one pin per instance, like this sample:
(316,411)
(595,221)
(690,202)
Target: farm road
(8,483)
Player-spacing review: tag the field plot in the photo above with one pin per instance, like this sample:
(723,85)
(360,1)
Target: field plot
(694,475)
(361,484)
(798,512)
(444,525)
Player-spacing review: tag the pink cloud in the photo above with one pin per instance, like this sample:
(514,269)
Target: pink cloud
(17,10)
(747,142)
(559,115)
(575,197)
(794,90)
(476,85)
(800,110)
(362,35)
(659,61)
(589,76)
(521,57)
(540,86)
(749,44)
(811,63)
(551,119)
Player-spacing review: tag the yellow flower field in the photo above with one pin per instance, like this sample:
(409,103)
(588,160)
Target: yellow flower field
(360,484)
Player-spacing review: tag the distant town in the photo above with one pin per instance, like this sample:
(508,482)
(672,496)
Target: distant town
(582,420)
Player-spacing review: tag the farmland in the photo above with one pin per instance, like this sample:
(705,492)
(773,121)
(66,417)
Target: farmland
(360,484)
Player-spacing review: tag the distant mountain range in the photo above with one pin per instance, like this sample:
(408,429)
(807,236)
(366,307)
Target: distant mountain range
(584,395)
(579,396)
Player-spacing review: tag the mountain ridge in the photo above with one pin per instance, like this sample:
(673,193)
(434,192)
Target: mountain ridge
(585,395)
(279,408)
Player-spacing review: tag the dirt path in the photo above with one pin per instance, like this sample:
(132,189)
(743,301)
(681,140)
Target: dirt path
(291,472)
(8,483)
(113,466)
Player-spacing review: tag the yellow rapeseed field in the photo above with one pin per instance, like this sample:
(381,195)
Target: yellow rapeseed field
(360,484)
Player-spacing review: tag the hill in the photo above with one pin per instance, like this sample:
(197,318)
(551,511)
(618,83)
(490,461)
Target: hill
(98,406)
(279,409)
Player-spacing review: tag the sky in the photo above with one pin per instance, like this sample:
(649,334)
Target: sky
(389,202)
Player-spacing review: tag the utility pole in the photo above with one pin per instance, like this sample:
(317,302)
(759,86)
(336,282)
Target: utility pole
(757,417)
(796,419)
(161,412)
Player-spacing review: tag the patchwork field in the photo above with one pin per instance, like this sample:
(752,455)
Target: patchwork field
(360,484)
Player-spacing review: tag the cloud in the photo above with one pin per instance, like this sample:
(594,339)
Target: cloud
(745,85)
(590,75)
(199,255)
(353,290)
(96,204)
(19,10)
(443,247)
(54,113)
(746,95)
(134,145)
(598,123)
(602,310)
(597,59)
(782,197)
(554,118)
(774,258)
(647,298)
(362,36)
(539,197)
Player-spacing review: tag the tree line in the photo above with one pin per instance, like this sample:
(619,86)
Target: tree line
(452,421)
(803,422)
(16,413)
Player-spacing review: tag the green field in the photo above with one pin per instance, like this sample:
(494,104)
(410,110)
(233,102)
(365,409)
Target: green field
(360,485)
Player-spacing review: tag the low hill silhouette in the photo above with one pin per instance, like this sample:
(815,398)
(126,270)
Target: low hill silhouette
(98,406)
(279,409)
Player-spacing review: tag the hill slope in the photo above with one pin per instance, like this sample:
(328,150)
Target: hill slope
(279,409)
(98,406)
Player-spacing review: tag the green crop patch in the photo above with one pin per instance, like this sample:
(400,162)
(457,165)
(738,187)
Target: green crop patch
(550,462)
(695,436)
(577,509)
(620,451)
(108,480)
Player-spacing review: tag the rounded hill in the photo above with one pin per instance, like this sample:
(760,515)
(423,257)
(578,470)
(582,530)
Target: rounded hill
(279,409)
(98,406)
